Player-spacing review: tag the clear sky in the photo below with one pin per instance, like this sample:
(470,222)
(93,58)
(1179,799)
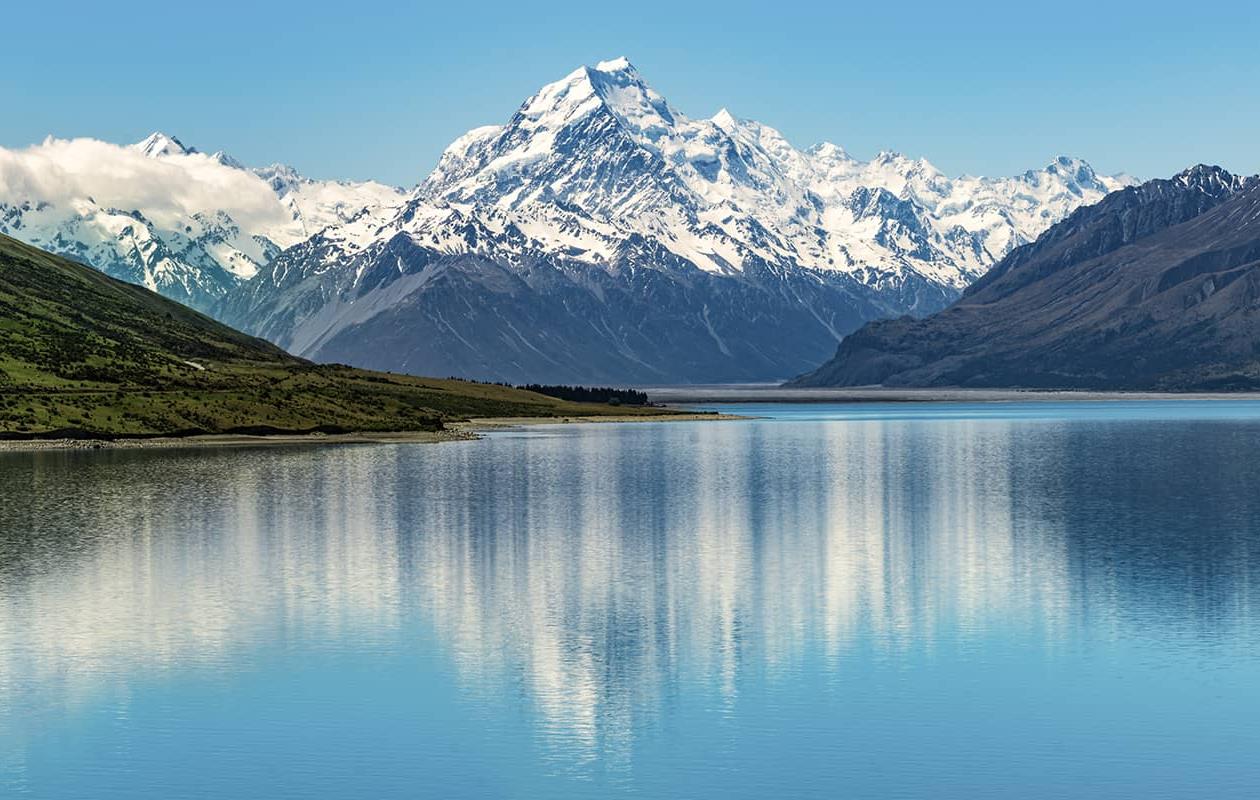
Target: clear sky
(366,89)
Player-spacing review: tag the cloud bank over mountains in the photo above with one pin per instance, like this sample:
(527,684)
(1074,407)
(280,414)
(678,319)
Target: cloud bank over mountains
(82,171)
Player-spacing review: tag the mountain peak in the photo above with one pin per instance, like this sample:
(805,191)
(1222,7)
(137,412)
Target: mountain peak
(1068,162)
(1072,169)
(158,144)
(226,160)
(619,64)
(282,178)
(829,152)
(1207,178)
(724,119)
(612,85)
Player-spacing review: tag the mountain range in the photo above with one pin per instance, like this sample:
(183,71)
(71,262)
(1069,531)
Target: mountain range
(1156,287)
(598,235)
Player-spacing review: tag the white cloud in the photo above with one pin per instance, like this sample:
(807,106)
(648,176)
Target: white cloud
(67,172)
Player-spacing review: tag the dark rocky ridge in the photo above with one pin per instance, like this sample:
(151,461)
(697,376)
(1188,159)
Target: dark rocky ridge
(1155,287)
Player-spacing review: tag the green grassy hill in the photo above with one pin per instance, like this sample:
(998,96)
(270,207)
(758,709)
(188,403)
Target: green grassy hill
(84,354)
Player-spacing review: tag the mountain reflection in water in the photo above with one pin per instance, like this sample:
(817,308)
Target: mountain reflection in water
(602,577)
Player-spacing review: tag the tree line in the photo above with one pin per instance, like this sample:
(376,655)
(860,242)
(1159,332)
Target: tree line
(590,394)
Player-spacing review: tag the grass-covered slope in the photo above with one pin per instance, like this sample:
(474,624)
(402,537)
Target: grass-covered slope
(84,354)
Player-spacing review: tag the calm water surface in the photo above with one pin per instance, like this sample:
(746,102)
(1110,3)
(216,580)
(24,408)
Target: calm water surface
(946,601)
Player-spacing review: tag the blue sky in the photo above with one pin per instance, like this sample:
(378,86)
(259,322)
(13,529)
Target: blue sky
(366,89)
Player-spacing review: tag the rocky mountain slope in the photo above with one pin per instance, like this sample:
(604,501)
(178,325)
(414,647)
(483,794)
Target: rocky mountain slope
(602,235)
(1156,287)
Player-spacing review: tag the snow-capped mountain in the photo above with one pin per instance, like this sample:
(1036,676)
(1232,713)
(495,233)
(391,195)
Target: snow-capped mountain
(312,204)
(158,144)
(601,234)
(315,205)
(159,213)
(603,141)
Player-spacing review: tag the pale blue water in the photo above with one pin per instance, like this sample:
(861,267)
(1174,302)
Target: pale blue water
(945,601)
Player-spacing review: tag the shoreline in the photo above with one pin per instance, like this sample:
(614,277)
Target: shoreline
(769,393)
(234,440)
(463,431)
(499,423)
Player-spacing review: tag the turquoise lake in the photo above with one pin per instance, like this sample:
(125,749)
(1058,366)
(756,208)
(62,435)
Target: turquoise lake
(1056,600)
